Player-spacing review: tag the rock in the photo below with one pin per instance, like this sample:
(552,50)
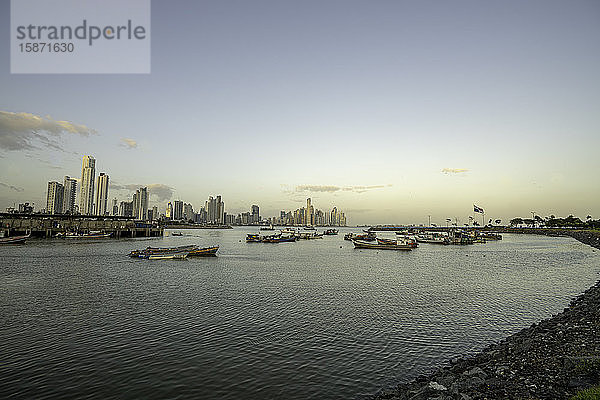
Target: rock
(436,386)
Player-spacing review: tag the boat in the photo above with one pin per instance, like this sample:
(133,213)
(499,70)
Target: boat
(432,238)
(405,239)
(290,231)
(80,235)
(491,236)
(176,234)
(266,228)
(397,245)
(14,239)
(169,256)
(156,251)
(330,232)
(253,238)
(204,252)
(309,228)
(278,239)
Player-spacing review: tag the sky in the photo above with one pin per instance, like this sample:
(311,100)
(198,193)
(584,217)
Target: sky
(392,111)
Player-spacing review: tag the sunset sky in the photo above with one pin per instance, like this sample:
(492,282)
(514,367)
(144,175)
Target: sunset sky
(389,110)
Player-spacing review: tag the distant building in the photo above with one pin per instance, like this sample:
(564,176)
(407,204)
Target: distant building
(88,175)
(255,214)
(246,218)
(54,200)
(215,210)
(102,194)
(169,211)
(115,207)
(177,210)
(154,214)
(70,191)
(25,208)
(188,212)
(126,209)
(140,204)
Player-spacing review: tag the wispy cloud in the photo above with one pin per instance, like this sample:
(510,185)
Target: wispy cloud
(161,191)
(19,131)
(454,170)
(333,189)
(11,187)
(129,143)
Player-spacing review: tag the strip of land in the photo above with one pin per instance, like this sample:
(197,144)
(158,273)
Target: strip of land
(553,359)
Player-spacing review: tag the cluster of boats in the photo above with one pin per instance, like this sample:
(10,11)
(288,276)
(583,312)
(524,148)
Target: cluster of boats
(407,240)
(174,253)
(288,235)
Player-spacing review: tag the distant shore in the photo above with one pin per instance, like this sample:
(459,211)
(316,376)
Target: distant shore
(553,359)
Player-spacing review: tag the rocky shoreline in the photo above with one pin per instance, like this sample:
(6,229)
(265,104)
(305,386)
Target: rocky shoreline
(553,359)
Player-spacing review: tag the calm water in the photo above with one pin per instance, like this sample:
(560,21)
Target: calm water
(313,319)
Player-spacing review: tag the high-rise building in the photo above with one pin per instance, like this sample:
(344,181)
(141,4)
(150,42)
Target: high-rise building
(169,211)
(310,212)
(177,210)
(54,201)
(70,191)
(188,212)
(126,209)
(255,214)
(102,194)
(115,207)
(88,175)
(215,210)
(154,213)
(140,204)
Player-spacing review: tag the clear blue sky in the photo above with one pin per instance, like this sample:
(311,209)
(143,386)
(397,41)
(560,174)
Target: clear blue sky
(358,104)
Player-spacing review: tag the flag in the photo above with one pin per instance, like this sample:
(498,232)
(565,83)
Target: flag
(477,209)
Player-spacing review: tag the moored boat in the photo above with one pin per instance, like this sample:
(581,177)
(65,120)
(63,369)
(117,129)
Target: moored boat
(204,252)
(253,238)
(278,239)
(330,232)
(81,235)
(14,239)
(394,245)
(168,256)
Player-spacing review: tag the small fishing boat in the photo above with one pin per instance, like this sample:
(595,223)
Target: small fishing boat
(393,245)
(491,236)
(253,238)
(330,232)
(168,256)
(278,239)
(14,239)
(266,228)
(204,252)
(309,228)
(176,234)
(432,239)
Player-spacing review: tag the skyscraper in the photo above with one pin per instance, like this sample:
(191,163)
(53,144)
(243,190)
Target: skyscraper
(54,201)
(88,174)
(140,204)
(177,209)
(310,212)
(255,214)
(70,191)
(169,211)
(102,194)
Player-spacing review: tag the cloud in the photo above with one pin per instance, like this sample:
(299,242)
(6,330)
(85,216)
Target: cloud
(129,143)
(333,189)
(454,170)
(161,191)
(18,131)
(11,187)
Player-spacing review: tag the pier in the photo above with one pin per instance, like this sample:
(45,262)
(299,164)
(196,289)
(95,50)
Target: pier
(47,226)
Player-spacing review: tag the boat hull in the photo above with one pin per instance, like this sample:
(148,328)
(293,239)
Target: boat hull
(368,245)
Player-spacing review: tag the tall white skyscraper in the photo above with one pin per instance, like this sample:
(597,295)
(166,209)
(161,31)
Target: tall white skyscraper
(54,201)
(88,175)
(70,191)
(102,194)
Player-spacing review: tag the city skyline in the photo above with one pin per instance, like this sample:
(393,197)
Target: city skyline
(391,111)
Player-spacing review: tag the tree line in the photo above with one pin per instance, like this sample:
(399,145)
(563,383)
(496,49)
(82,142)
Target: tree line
(554,222)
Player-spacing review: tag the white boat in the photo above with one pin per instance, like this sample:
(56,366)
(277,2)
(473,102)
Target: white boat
(168,256)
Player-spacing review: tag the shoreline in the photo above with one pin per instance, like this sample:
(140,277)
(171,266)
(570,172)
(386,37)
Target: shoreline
(552,359)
